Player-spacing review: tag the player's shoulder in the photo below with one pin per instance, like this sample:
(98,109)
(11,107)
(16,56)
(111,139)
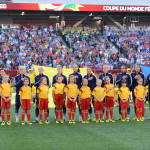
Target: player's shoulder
(17,76)
(79,74)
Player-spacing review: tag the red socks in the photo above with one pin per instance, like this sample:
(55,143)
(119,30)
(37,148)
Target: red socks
(82,115)
(73,114)
(101,115)
(122,114)
(143,112)
(107,113)
(2,115)
(28,117)
(45,114)
(86,115)
(22,116)
(40,116)
(69,114)
(96,115)
(57,111)
(137,113)
(8,116)
(111,114)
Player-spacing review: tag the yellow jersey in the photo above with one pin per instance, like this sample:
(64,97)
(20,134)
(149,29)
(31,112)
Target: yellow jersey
(85,92)
(26,92)
(110,93)
(99,93)
(31,76)
(58,88)
(124,92)
(72,90)
(6,89)
(140,91)
(43,91)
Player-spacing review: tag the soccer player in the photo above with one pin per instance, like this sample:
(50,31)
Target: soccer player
(85,99)
(26,96)
(59,97)
(99,95)
(18,84)
(123,76)
(2,73)
(78,77)
(42,94)
(6,90)
(64,80)
(110,99)
(72,92)
(37,81)
(135,75)
(140,93)
(124,94)
(92,84)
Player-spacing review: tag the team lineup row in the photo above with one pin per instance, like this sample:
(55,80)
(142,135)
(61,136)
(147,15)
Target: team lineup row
(101,92)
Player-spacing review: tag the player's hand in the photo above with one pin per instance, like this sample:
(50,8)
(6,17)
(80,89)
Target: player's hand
(22,79)
(110,88)
(114,100)
(90,78)
(124,77)
(74,99)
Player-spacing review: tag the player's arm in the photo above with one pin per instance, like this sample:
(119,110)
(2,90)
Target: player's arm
(36,83)
(68,96)
(136,96)
(2,96)
(75,97)
(18,82)
(118,79)
(102,98)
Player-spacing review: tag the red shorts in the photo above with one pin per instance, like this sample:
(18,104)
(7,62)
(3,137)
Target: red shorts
(99,105)
(5,104)
(26,104)
(59,98)
(109,102)
(43,104)
(124,105)
(85,104)
(71,105)
(139,104)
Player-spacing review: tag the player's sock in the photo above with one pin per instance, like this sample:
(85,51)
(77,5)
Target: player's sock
(125,114)
(128,111)
(73,114)
(122,114)
(111,114)
(143,112)
(82,115)
(48,113)
(64,113)
(86,115)
(36,113)
(3,116)
(8,116)
(28,117)
(61,114)
(96,114)
(22,116)
(45,114)
(57,111)
(101,115)
(107,113)
(69,114)
(40,116)
(137,113)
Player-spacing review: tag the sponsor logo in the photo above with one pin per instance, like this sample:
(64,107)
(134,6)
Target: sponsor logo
(3,6)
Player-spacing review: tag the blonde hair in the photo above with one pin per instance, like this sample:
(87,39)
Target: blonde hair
(72,76)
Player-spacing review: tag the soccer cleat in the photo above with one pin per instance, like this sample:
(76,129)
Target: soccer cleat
(70,122)
(90,119)
(122,120)
(73,122)
(29,123)
(35,121)
(101,121)
(57,121)
(112,120)
(0,120)
(119,118)
(94,119)
(17,121)
(83,122)
(97,121)
(23,123)
(8,123)
(61,121)
(3,123)
(141,119)
(137,119)
(127,120)
(40,122)
(107,120)
(86,121)
(46,122)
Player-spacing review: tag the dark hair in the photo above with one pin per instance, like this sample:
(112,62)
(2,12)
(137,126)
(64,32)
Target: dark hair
(3,69)
(25,79)
(58,77)
(139,66)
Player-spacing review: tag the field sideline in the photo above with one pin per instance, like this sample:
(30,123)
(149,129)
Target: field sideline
(119,135)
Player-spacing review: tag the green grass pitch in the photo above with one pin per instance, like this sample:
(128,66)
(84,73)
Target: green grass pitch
(104,136)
